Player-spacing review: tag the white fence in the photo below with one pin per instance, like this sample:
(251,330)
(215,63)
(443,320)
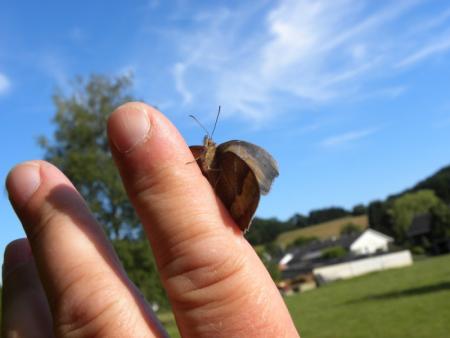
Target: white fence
(362,266)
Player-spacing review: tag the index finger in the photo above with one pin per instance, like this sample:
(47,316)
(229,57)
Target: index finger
(216,283)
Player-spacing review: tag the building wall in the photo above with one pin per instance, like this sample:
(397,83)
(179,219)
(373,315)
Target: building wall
(363,266)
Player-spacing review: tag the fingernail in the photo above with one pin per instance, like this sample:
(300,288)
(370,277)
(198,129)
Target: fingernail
(22,182)
(131,126)
(17,253)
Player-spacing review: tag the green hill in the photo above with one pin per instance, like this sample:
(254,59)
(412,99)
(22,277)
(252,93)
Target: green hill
(322,230)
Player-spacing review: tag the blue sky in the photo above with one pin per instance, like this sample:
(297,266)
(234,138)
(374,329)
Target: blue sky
(350,96)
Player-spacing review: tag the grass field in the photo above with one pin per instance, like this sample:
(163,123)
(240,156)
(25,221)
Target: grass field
(323,230)
(411,302)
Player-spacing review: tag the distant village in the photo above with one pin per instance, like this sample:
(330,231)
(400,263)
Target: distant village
(354,252)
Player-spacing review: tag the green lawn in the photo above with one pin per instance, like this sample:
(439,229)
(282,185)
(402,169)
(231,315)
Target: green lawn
(410,302)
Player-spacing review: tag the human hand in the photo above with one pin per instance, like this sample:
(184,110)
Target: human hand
(66,280)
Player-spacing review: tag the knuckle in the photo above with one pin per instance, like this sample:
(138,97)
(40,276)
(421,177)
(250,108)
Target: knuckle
(38,229)
(170,179)
(203,274)
(81,312)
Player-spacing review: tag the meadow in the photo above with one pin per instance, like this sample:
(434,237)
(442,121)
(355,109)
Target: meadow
(411,302)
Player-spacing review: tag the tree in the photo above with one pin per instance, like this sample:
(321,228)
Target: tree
(80,149)
(379,217)
(299,220)
(439,183)
(263,231)
(407,206)
(440,221)
(271,265)
(138,261)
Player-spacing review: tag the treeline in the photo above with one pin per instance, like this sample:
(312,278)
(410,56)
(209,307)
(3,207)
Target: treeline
(392,216)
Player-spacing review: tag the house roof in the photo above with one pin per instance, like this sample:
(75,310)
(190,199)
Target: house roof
(421,225)
(380,234)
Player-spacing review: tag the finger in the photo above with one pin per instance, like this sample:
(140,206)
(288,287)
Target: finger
(216,283)
(25,311)
(88,292)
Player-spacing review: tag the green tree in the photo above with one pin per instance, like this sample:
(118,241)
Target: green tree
(299,220)
(326,214)
(270,263)
(439,183)
(138,261)
(440,221)
(407,206)
(264,231)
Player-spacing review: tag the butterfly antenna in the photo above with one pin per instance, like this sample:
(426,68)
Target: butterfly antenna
(201,125)
(215,123)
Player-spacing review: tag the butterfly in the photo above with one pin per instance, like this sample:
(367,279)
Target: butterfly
(239,172)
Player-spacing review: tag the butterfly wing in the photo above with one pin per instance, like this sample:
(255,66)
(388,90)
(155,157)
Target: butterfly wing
(262,164)
(236,185)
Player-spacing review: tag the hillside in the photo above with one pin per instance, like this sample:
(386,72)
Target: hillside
(322,230)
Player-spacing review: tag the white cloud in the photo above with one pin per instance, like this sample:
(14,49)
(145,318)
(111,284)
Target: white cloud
(5,84)
(306,51)
(346,138)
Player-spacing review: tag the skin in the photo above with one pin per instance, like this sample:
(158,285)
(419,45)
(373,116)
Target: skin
(65,280)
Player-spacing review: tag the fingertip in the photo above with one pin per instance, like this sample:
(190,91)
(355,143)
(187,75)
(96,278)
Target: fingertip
(129,125)
(17,253)
(23,181)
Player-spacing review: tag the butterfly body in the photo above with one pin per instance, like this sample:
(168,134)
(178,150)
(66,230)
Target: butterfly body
(239,173)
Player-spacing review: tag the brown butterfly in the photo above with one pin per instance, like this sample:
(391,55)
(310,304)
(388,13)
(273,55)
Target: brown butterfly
(239,173)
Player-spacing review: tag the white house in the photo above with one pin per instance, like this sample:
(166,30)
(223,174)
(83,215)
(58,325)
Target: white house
(369,242)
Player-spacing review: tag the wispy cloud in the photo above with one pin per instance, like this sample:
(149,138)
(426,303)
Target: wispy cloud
(250,59)
(428,50)
(178,73)
(345,138)
(5,84)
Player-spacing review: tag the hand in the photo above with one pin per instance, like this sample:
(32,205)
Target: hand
(66,280)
